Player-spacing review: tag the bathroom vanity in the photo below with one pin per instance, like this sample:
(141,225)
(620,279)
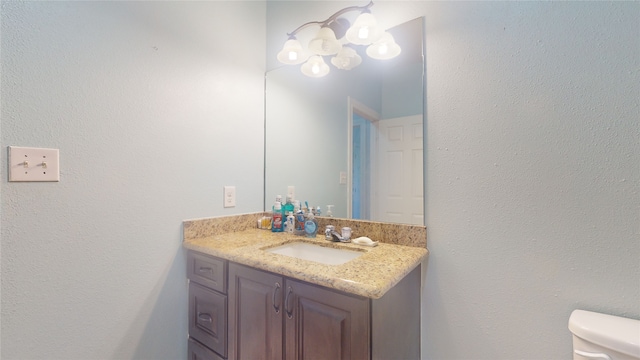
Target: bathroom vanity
(247,303)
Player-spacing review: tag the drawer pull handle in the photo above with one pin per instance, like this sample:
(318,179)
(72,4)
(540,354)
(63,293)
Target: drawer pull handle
(590,355)
(286,303)
(205,317)
(205,269)
(276,307)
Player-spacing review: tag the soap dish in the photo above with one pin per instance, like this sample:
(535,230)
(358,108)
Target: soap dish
(363,240)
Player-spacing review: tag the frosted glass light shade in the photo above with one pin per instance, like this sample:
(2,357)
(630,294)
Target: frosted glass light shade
(346,59)
(315,67)
(384,49)
(325,43)
(364,31)
(292,53)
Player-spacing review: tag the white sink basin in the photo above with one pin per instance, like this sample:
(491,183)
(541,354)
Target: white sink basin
(322,254)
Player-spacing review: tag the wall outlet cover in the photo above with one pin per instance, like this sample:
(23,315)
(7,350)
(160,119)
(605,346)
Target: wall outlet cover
(229,196)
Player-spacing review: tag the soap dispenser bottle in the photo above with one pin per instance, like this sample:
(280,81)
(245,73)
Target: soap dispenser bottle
(277,225)
(310,225)
(330,210)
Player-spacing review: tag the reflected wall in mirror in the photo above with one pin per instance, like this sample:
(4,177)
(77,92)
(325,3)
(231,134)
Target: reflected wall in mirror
(352,139)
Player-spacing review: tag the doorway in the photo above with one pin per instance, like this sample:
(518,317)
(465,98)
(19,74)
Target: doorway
(361,148)
(385,162)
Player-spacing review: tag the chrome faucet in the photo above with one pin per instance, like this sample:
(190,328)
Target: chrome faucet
(336,236)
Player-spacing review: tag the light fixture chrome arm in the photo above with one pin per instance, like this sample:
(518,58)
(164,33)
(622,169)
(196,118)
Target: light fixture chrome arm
(331,18)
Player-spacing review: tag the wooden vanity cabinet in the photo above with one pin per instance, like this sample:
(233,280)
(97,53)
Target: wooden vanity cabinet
(274,317)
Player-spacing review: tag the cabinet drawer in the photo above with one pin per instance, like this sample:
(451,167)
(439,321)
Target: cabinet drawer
(208,318)
(208,271)
(198,351)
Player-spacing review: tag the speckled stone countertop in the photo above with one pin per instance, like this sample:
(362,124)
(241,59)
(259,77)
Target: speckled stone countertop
(370,275)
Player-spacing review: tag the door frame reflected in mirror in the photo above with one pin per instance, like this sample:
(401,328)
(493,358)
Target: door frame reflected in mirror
(360,204)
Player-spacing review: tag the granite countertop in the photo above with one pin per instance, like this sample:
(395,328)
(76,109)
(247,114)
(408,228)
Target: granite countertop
(370,275)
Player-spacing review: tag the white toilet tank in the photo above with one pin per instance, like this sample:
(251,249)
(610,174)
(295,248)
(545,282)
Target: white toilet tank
(604,337)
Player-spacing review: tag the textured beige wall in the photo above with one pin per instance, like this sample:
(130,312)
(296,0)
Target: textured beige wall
(149,104)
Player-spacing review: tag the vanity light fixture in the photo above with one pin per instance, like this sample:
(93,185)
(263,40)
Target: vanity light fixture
(339,38)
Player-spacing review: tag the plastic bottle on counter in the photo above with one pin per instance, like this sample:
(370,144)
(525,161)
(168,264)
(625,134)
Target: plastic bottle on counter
(290,224)
(310,225)
(277,225)
(288,206)
(299,218)
(329,210)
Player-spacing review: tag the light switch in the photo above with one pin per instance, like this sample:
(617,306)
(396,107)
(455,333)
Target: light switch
(291,191)
(229,196)
(343,177)
(33,164)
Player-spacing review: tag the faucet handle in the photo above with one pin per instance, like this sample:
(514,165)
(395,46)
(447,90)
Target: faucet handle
(327,232)
(346,234)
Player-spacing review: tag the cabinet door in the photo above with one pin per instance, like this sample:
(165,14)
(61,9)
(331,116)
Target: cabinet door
(255,314)
(325,324)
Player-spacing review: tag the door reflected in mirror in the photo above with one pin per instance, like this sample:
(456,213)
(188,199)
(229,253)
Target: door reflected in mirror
(353,139)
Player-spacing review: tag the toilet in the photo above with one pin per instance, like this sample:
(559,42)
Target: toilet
(604,337)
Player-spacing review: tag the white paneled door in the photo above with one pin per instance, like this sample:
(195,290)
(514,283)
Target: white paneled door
(398,186)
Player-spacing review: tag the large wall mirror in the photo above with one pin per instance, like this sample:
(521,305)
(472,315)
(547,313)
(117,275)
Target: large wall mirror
(352,139)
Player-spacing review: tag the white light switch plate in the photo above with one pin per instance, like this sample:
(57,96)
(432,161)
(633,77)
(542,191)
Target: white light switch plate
(229,196)
(33,164)
(343,177)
